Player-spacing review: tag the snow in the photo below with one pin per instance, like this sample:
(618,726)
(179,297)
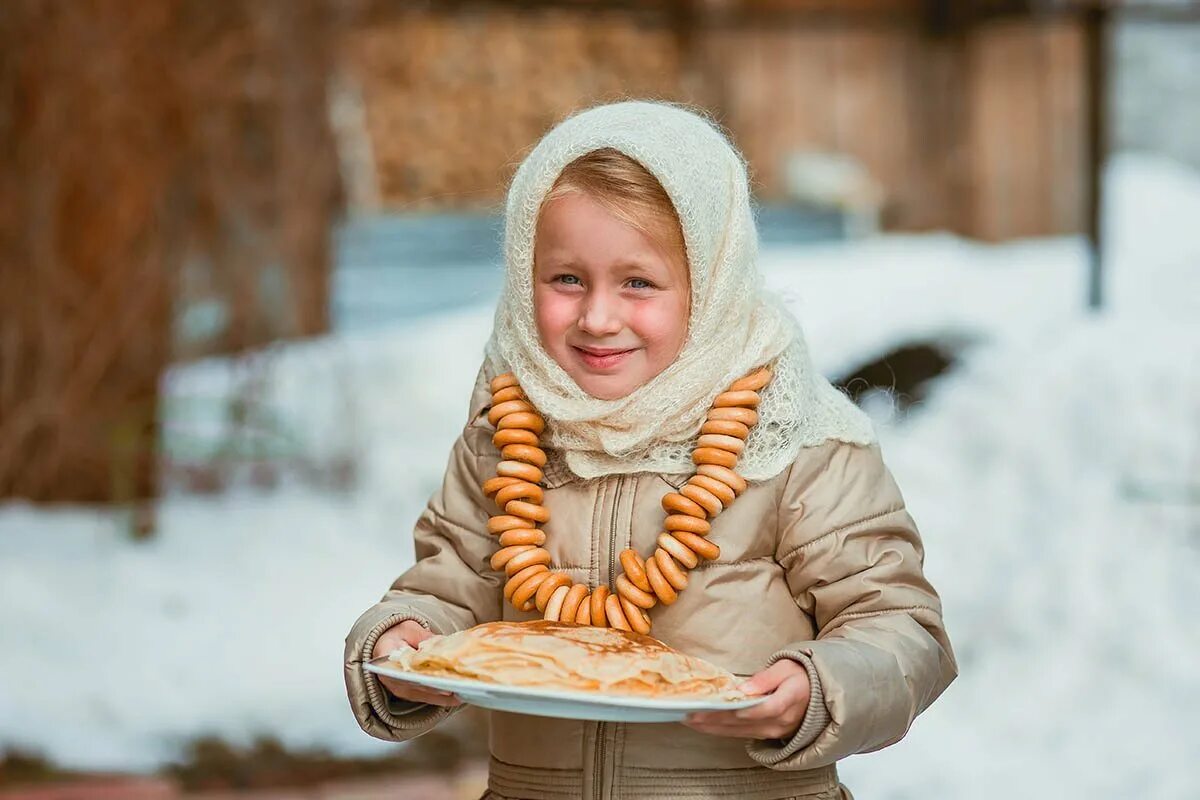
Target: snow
(1070,582)
(1055,474)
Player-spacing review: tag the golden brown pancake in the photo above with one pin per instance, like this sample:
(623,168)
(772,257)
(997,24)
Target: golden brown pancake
(562,655)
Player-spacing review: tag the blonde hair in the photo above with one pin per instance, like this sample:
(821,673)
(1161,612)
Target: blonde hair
(629,192)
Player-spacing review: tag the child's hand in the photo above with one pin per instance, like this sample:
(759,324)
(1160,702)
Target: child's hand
(409,634)
(777,717)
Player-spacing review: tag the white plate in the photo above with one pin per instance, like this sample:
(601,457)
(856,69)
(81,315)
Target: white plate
(560,703)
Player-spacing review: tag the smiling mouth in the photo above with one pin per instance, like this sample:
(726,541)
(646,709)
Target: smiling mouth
(599,352)
(601,359)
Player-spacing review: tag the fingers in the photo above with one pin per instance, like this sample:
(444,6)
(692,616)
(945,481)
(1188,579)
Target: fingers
(770,678)
(419,694)
(414,632)
(778,704)
(774,730)
(407,634)
(389,640)
(727,723)
(404,635)
(776,717)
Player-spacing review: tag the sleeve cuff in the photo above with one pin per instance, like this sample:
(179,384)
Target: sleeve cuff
(772,752)
(384,715)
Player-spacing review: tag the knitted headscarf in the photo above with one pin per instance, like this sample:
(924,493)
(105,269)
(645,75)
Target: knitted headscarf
(733,326)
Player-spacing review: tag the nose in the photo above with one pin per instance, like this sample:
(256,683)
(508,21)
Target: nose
(601,315)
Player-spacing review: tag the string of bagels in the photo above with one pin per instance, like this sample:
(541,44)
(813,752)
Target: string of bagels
(643,582)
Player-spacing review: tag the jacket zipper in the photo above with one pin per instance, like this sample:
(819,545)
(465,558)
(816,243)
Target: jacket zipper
(602,727)
(612,532)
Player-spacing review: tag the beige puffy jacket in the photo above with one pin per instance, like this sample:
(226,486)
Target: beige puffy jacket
(821,564)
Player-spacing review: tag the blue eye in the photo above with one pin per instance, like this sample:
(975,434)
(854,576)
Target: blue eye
(570,280)
(639,283)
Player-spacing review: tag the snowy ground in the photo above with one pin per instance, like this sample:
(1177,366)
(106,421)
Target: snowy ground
(1055,474)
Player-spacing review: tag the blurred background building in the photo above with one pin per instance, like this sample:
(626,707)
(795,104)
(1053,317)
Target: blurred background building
(240,239)
(182,166)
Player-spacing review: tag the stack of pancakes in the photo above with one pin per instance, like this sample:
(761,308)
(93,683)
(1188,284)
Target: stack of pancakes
(560,655)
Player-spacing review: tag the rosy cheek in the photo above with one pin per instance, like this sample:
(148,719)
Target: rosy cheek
(555,315)
(661,323)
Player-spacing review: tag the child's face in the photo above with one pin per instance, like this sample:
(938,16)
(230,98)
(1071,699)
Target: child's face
(611,304)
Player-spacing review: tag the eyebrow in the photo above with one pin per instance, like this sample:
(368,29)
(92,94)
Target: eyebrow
(561,263)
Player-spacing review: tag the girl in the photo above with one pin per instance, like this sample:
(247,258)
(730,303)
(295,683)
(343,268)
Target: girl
(631,301)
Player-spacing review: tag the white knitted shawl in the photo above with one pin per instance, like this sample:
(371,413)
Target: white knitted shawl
(734,325)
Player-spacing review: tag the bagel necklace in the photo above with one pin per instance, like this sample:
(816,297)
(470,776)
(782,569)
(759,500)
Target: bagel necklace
(643,583)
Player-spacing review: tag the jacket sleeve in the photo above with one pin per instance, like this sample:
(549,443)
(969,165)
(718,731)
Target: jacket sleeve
(450,588)
(853,559)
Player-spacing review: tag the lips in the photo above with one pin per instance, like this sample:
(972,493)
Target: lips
(602,357)
(604,351)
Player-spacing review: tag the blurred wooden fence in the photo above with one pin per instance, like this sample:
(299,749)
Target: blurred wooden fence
(975,125)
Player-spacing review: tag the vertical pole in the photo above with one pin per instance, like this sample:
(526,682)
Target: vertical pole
(683,16)
(1095,23)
